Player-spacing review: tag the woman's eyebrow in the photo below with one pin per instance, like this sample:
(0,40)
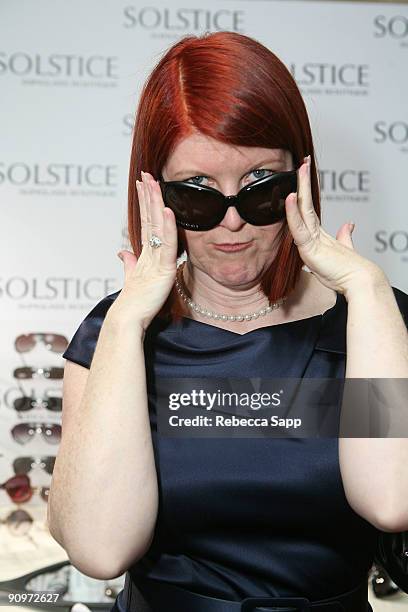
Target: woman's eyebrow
(268,160)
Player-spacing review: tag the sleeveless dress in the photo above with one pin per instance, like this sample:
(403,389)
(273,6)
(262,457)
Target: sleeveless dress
(248,517)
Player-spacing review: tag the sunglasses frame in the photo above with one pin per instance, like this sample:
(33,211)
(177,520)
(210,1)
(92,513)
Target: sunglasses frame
(227,201)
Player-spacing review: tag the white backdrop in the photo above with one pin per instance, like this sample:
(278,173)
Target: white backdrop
(70,77)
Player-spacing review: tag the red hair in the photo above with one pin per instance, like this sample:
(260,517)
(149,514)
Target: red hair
(232,88)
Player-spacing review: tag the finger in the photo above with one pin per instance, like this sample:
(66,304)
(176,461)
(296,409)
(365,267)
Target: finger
(344,235)
(169,253)
(129,262)
(166,229)
(156,222)
(156,207)
(305,199)
(298,229)
(147,204)
(149,248)
(142,211)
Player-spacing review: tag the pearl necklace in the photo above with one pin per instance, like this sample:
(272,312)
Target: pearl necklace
(215,315)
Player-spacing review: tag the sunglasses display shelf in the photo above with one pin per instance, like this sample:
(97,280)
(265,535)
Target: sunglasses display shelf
(31,561)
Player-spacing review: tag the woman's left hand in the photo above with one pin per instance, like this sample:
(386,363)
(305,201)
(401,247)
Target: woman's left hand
(332,260)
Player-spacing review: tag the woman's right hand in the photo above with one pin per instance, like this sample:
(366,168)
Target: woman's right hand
(149,279)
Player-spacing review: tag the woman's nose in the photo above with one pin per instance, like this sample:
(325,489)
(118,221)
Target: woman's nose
(232,219)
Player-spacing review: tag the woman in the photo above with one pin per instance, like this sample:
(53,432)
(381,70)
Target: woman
(220,524)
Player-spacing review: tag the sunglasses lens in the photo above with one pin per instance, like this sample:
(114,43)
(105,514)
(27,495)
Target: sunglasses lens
(264,204)
(23,432)
(19,522)
(23,372)
(22,465)
(18,488)
(49,464)
(53,403)
(24,343)
(52,433)
(193,208)
(22,404)
(56,342)
(55,373)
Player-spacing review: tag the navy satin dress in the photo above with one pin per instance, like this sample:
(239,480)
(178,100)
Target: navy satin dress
(242,517)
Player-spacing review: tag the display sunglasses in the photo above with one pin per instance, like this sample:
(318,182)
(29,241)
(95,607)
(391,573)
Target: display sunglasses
(19,489)
(23,432)
(25,403)
(29,372)
(53,342)
(23,465)
(201,208)
(18,522)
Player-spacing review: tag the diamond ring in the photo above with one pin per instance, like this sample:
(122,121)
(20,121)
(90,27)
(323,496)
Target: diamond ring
(155,241)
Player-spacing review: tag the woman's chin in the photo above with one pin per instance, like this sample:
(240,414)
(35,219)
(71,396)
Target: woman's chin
(233,273)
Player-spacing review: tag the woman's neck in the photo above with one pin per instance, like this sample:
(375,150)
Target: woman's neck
(309,298)
(216,297)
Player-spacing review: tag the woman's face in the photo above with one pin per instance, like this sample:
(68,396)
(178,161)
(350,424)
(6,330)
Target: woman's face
(205,161)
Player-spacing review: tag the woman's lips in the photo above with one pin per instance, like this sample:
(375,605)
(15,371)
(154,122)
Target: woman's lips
(232,247)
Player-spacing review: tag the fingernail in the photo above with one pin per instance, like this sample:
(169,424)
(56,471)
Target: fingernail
(119,254)
(351,227)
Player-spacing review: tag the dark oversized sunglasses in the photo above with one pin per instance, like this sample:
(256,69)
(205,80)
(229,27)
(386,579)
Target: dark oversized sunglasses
(200,208)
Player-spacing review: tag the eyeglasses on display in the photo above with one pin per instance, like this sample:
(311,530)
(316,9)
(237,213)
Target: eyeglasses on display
(24,432)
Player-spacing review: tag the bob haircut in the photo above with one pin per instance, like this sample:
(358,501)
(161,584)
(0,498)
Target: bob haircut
(232,88)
